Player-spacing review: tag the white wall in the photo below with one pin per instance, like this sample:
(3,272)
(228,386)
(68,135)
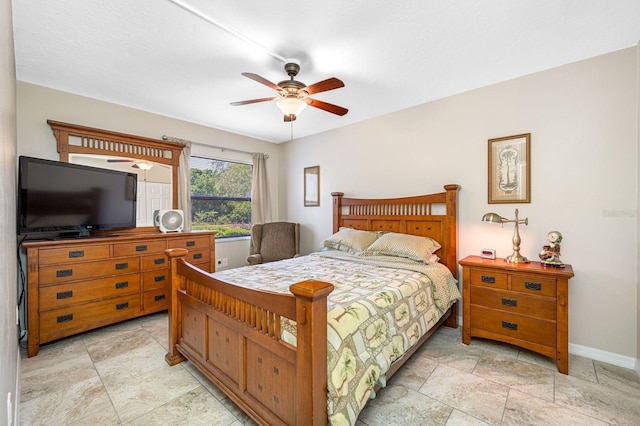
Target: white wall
(36,104)
(583,123)
(9,350)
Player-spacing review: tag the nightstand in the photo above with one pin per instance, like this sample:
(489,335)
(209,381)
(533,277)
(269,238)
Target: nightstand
(525,304)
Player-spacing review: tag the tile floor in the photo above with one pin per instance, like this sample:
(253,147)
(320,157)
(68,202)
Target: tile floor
(117,375)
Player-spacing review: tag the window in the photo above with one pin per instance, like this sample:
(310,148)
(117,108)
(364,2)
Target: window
(221,196)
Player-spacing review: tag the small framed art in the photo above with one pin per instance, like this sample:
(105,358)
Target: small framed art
(312,186)
(510,169)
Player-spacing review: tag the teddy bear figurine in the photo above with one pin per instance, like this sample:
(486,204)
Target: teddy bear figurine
(550,254)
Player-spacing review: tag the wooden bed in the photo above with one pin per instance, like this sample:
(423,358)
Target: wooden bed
(232,334)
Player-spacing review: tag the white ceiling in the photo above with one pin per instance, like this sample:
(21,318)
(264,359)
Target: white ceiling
(156,56)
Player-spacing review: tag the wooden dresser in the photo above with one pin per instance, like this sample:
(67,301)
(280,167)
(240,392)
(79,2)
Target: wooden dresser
(77,285)
(522,304)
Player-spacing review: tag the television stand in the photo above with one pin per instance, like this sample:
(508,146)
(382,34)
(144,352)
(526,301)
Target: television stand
(78,284)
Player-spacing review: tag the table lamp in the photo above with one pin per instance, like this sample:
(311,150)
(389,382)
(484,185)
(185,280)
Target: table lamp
(515,257)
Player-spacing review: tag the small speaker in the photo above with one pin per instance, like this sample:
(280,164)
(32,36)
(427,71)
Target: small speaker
(169,220)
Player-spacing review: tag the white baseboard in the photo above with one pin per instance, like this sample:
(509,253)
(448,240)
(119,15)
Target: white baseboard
(604,356)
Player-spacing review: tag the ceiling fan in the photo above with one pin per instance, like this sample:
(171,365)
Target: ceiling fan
(137,164)
(293,96)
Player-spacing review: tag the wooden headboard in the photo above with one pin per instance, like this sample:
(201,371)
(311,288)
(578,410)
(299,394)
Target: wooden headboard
(407,215)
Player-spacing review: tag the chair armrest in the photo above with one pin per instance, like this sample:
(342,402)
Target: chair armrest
(254,259)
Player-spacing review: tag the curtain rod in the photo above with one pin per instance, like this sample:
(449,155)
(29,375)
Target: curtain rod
(221,148)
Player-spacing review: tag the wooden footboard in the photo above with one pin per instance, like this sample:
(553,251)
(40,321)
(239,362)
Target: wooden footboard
(232,335)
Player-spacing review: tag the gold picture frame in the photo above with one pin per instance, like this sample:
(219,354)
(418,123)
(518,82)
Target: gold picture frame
(510,169)
(312,186)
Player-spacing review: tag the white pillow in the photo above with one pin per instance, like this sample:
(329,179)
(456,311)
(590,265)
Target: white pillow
(413,247)
(350,240)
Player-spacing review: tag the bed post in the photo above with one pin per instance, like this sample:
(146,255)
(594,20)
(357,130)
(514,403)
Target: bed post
(174,357)
(452,245)
(337,210)
(311,352)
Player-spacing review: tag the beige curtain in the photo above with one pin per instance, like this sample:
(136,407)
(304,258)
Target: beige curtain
(260,199)
(184,185)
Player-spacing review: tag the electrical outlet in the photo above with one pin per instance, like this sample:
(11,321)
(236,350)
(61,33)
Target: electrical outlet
(225,261)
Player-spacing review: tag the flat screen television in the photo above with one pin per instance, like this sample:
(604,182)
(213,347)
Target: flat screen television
(72,200)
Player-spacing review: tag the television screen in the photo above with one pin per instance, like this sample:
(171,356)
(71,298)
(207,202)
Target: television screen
(58,197)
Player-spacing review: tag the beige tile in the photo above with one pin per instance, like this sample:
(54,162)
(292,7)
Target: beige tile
(118,365)
(458,418)
(415,372)
(399,405)
(537,359)
(55,368)
(149,391)
(118,329)
(524,409)
(523,376)
(70,404)
(479,397)
(104,417)
(616,377)
(582,367)
(612,405)
(197,407)
(451,352)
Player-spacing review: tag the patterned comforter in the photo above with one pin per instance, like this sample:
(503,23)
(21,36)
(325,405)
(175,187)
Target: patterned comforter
(380,308)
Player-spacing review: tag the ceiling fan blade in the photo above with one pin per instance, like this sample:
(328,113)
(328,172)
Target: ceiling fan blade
(113,160)
(334,109)
(253,101)
(262,80)
(324,85)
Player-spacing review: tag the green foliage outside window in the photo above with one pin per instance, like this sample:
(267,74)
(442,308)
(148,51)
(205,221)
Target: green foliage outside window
(221,196)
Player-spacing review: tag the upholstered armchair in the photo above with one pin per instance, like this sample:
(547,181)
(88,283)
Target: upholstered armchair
(274,241)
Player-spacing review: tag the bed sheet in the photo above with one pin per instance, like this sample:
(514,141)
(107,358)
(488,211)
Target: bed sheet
(380,308)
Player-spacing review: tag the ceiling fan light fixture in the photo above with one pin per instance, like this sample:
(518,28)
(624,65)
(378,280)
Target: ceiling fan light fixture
(143,165)
(291,105)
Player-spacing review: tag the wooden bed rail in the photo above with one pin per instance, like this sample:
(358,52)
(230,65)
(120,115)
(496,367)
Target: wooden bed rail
(220,326)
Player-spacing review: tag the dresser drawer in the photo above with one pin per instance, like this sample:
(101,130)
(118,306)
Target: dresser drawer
(56,296)
(155,300)
(73,272)
(518,303)
(87,315)
(537,285)
(139,248)
(155,279)
(488,278)
(73,254)
(155,261)
(542,332)
(189,243)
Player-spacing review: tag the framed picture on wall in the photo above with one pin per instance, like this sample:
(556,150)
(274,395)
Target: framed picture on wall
(312,186)
(510,169)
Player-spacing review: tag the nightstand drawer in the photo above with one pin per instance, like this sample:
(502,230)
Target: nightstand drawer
(542,332)
(493,279)
(517,303)
(537,285)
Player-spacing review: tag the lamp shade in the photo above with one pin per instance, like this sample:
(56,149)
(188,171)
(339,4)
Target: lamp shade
(291,105)
(492,217)
(143,165)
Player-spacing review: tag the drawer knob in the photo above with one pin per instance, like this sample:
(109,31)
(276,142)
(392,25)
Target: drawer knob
(124,265)
(123,284)
(123,305)
(141,248)
(64,273)
(488,279)
(76,253)
(530,285)
(159,278)
(509,302)
(64,294)
(159,261)
(159,297)
(509,325)
(191,243)
(64,318)
(197,256)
